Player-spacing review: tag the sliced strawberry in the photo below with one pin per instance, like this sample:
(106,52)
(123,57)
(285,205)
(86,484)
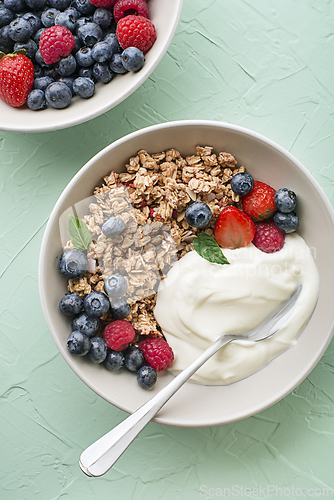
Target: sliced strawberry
(234,229)
(259,203)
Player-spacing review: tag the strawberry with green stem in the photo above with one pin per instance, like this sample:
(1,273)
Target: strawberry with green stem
(16,77)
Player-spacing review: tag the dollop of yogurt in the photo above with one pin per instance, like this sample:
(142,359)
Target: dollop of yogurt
(198,301)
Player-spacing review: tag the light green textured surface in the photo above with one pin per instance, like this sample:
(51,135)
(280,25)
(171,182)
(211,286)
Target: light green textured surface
(265,65)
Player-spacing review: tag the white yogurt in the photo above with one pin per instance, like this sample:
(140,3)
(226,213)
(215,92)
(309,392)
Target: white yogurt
(198,301)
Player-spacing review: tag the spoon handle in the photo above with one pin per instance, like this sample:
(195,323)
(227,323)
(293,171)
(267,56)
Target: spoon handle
(101,455)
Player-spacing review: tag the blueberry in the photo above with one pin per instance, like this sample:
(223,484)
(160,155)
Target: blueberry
(96,304)
(98,350)
(58,95)
(81,21)
(285,200)
(101,52)
(73,12)
(242,183)
(84,7)
(66,66)
(112,39)
(113,227)
(34,20)
(86,73)
(84,87)
(133,59)
(36,5)
(198,214)
(71,304)
(60,4)
(39,59)
(6,16)
(102,73)
(37,35)
(133,358)
(5,38)
(67,20)
(36,100)
(72,263)
(103,17)
(14,5)
(84,57)
(114,360)
(20,30)
(38,71)
(30,47)
(50,71)
(146,377)
(86,324)
(78,343)
(90,34)
(48,17)
(68,80)
(286,222)
(116,64)
(115,286)
(77,45)
(120,308)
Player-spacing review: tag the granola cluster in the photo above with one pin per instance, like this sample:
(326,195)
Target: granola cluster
(151,197)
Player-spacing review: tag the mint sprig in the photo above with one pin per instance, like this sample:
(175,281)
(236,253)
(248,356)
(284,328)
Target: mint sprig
(80,234)
(208,249)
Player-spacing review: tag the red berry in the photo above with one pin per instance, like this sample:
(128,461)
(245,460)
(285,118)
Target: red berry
(16,78)
(124,8)
(56,42)
(136,31)
(259,203)
(234,229)
(157,353)
(119,334)
(103,3)
(268,238)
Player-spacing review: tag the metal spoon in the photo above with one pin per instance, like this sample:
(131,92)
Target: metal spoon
(100,456)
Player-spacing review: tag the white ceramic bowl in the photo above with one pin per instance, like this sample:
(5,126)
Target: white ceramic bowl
(165,16)
(197,405)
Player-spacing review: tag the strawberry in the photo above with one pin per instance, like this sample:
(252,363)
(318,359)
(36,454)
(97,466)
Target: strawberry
(259,203)
(16,78)
(234,229)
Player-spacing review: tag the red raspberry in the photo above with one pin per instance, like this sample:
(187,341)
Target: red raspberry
(103,3)
(124,8)
(118,334)
(157,353)
(136,31)
(259,203)
(56,42)
(268,238)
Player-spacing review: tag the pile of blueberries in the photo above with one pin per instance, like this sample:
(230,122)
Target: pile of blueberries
(85,324)
(97,56)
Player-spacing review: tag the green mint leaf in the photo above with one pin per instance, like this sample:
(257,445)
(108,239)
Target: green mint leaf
(208,248)
(80,234)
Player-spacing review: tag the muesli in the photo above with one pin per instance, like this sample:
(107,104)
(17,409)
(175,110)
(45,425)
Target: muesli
(151,198)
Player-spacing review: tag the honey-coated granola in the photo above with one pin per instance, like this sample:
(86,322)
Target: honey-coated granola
(151,197)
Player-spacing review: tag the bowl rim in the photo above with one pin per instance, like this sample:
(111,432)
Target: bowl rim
(144,73)
(160,126)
